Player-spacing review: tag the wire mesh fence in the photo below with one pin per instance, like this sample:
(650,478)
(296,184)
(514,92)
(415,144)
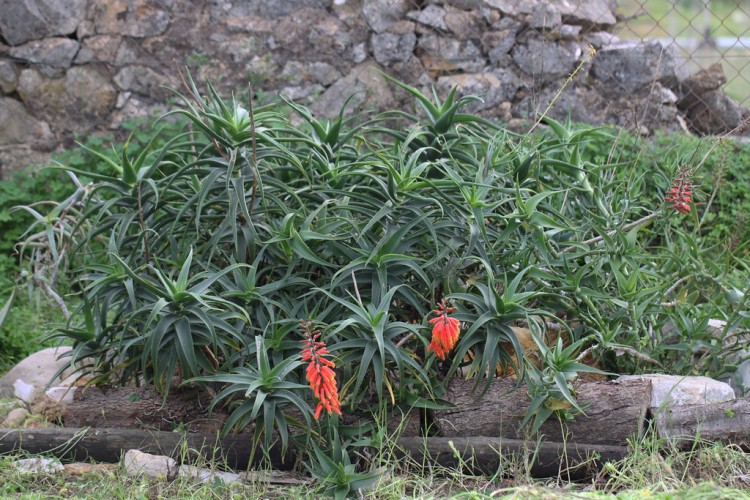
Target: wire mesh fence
(706,32)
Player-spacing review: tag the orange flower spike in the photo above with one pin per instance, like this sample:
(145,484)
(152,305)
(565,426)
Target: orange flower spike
(320,372)
(445,330)
(680,195)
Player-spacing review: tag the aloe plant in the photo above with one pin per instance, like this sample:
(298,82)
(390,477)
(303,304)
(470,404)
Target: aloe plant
(196,260)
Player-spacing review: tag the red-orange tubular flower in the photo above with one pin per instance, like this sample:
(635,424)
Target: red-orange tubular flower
(445,330)
(320,372)
(680,195)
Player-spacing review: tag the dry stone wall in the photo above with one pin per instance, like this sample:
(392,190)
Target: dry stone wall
(72,67)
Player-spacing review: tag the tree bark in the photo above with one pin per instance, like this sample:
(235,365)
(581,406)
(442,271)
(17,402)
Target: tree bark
(727,422)
(613,412)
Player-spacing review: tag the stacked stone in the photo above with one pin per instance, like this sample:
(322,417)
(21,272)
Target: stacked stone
(71,66)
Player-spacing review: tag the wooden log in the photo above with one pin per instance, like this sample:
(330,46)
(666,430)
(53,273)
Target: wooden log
(480,454)
(487,455)
(145,408)
(108,445)
(726,422)
(614,412)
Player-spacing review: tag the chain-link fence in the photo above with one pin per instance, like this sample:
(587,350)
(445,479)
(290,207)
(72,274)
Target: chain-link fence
(705,31)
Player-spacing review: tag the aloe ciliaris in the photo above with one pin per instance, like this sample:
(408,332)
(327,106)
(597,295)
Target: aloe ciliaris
(199,259)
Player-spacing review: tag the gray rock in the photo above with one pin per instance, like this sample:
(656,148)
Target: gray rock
(512,8)
(301,92)
(15,157)
(493,87)
(208,475)
(545,16)
(570,31)
(37,465)
(84,56)
(56,52)
(630,66)
(707,109)
(99,48)
(77,101)
(446,54)
(462,4)
(371,88)
(713,113)
(359,53)
(85,29)
(705,80)
(465,25)
(136,18)
(17,126)
(673,390)
(380,14)
(8,77)
(297,73)
(140,80)
(137,463)
(588,13)
(313,31)
(323,73)
(25,20)
(128,52)
(390,47)
(268,9)
(431,16)
(131,107)
(349,12)
(600,39)
(497,45)
(546,61)
(16,417)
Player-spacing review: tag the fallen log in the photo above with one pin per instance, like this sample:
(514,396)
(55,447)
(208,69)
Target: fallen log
(184,408)
(614,412)
(108,445)
(727,422)
(481,454)
(142,407)
(571,461)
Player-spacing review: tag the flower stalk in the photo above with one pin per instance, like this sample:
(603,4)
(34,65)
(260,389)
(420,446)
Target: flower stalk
(320,374)
(680,195)
(445,330)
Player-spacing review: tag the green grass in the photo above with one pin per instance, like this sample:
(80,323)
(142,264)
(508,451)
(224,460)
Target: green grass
(685,18)
(651,471)
(24,330)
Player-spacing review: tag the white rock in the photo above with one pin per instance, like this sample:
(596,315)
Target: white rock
(138,463)
(676,390)
(61,394)
(23,391)
(208,475)
(38,465)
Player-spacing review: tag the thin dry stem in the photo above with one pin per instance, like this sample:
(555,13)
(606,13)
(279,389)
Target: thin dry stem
(626,227)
